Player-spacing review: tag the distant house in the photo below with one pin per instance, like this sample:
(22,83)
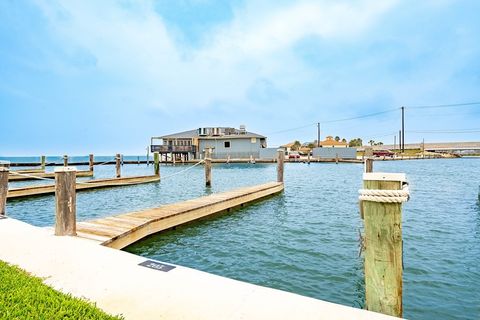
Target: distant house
(225,143)
(329,142)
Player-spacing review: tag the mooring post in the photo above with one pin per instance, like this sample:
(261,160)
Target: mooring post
(117,165)
(42,162)
(91,163)
(156,163)
(65,161)
(3,189)
(382,213)
(308,158)
(280,164)
(336,158)
(368,165)
(65,201)
(208,167)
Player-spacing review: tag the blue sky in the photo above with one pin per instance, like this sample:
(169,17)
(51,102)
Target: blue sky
(103,76)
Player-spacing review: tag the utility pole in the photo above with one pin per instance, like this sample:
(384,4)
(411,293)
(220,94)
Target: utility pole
(403,129)
(400,141)
(318,134)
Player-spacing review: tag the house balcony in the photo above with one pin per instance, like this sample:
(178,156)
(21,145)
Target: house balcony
(174,149)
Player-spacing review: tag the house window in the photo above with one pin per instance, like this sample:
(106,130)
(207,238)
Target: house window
(253,140)
(226,144)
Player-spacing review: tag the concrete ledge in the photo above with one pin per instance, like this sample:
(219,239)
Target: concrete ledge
(114,280)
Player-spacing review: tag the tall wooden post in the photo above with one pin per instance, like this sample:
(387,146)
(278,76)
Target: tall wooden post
(369,165)
(65,201)
(65,161)
(91,163)
(208,168)
(42,162)
(117,165)
(156,163)
(336,158)
(383,243)
(3,189)
(280,164)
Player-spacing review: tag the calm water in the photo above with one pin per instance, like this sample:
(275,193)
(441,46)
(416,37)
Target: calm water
(306,240)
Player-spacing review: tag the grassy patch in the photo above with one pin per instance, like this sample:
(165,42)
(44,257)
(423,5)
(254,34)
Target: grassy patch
(23,296)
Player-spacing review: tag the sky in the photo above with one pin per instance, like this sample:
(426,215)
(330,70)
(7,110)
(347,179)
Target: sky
(88,76)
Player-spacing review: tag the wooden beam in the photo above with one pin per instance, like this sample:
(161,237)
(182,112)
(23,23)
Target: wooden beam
(65,202)
(383,248)
(280,164)
(208,168)
(117,166)
(3,189)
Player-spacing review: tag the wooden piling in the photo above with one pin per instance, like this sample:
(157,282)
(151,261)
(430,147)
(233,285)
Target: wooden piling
(65,201)
(156,164)
(3,190)
(208,168)
(91,163)
(280,164)
(308,158)
(368,165)
(118,166)
(65,161)
(42,162)
(336,158)
(383,246)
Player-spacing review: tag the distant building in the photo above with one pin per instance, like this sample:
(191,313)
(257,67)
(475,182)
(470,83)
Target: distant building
(225,142)
(329,142)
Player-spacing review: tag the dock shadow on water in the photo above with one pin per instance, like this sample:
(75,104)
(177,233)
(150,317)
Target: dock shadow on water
(306,240)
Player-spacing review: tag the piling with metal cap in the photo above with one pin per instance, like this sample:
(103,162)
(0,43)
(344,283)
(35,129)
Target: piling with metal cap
(65,201)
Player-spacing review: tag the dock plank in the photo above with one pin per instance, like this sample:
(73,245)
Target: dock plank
(125,229)
(84,185)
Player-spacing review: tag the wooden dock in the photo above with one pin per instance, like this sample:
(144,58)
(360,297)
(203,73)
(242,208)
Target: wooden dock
(28,171)
(85,185)
(122,230)
(49,175)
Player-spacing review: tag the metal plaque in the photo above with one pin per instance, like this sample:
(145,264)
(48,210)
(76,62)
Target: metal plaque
(156,265)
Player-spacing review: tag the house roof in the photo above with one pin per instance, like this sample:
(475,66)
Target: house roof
(329,141)
(194,134)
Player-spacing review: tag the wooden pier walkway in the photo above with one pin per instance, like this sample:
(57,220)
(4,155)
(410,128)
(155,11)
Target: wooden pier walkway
(85,185)
(122,230)
(51,175)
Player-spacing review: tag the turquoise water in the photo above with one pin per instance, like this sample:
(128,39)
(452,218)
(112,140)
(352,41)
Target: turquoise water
(306,240)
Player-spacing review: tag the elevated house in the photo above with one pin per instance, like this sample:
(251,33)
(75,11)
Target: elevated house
(225,143)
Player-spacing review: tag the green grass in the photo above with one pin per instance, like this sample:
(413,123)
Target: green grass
(23,296)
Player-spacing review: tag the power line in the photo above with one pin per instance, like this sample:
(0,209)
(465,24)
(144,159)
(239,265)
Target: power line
(445,105)
(294,129)
(362,116)
(474,130)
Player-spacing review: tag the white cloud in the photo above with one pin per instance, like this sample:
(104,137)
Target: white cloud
(132,44)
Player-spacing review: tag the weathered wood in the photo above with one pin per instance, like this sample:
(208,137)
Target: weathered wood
(336,158)
(208,168)
(368,165)
(65,202)
(29,191)
(280,164)
(117,166)
(383,251)
(42,162)
(91,162)
(13,177)
(3,189)
(308,158)
(125,229)
(65,161)
(156,163)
